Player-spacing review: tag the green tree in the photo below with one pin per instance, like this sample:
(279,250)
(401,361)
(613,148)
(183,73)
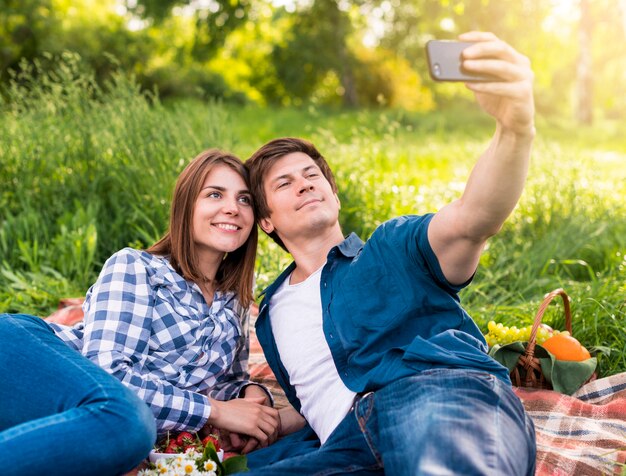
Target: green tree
(29,28)
(317,44)
(25,26)
(214,20)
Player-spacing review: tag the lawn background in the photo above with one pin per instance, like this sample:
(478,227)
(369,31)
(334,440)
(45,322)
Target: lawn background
(89,169)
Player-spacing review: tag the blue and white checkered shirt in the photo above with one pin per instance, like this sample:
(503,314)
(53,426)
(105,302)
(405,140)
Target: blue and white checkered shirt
(153,330)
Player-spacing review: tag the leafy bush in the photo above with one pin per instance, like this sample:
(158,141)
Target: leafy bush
(175,81)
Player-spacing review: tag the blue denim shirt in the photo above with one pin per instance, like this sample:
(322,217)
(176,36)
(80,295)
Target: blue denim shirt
(389,311)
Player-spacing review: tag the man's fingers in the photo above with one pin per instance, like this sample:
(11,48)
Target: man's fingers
(274,436)
(236,441)
(489,46)
(261,436)
(493,48)
(477,36)
(500,69)
(251,445)
(509,90)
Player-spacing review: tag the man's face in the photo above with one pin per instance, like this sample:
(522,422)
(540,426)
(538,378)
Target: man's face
(301,200)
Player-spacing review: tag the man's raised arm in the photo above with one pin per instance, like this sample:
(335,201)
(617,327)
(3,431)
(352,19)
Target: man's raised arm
(458,232)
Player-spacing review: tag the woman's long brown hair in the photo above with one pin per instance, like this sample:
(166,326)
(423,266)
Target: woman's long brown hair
(236,272)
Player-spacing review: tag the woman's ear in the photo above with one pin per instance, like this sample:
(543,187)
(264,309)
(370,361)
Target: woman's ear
(266,225)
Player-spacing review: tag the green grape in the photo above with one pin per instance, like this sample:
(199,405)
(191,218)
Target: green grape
(498,333)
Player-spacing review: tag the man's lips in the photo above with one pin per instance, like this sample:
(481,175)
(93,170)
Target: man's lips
(308,202)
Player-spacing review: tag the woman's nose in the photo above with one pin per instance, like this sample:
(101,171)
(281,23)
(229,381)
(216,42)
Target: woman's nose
(230,207)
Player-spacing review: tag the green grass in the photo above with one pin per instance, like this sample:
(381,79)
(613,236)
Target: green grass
(88,170)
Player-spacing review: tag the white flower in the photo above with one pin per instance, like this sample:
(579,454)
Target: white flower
(188,466)
(192,453)
(209,465)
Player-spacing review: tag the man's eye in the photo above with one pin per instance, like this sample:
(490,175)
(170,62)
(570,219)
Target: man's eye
(282,184)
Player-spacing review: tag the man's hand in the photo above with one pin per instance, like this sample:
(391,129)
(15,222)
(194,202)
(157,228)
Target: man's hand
(290,420)
(509,101)
(459,231)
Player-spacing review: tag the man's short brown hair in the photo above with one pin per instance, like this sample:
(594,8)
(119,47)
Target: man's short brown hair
(264,158)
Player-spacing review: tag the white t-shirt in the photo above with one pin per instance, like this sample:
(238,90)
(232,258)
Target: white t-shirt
(296,319)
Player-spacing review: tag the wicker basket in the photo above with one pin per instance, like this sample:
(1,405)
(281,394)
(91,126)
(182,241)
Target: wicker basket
(527,372)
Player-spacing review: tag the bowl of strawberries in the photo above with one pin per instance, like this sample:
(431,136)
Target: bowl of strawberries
(184,442)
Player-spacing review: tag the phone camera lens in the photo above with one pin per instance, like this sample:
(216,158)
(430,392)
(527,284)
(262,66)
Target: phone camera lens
(436,69)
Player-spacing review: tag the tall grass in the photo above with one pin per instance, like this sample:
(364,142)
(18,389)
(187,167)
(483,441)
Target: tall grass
(87,170)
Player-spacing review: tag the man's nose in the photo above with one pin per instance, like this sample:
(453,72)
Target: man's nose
(305,186)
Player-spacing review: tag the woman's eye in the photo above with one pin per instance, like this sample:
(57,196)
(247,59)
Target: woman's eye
(214,195)
(245,199)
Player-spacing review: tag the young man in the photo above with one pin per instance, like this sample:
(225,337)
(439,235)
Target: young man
(369,340)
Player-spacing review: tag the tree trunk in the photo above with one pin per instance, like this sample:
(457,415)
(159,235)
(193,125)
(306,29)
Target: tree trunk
(350,96)
(584,72)
(346,74)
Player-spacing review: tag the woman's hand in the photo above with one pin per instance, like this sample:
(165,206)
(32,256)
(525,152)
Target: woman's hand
(254,391)
(246,416)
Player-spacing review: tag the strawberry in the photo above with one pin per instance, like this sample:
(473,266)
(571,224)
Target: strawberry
(213,440)
(185,438)
(172,447)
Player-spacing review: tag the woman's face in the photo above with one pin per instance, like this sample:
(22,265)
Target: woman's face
(223,215)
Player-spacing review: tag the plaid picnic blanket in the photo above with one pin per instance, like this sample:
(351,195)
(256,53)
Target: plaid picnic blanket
(583,434)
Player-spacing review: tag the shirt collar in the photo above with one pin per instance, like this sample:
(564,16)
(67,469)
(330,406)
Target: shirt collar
(350,246)
(166,275)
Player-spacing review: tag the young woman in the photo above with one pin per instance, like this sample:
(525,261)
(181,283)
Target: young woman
(170,323)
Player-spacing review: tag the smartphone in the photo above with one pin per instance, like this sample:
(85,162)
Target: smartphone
(444,62)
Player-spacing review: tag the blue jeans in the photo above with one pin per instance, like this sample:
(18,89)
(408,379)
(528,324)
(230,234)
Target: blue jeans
(60,414)
(438,422)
